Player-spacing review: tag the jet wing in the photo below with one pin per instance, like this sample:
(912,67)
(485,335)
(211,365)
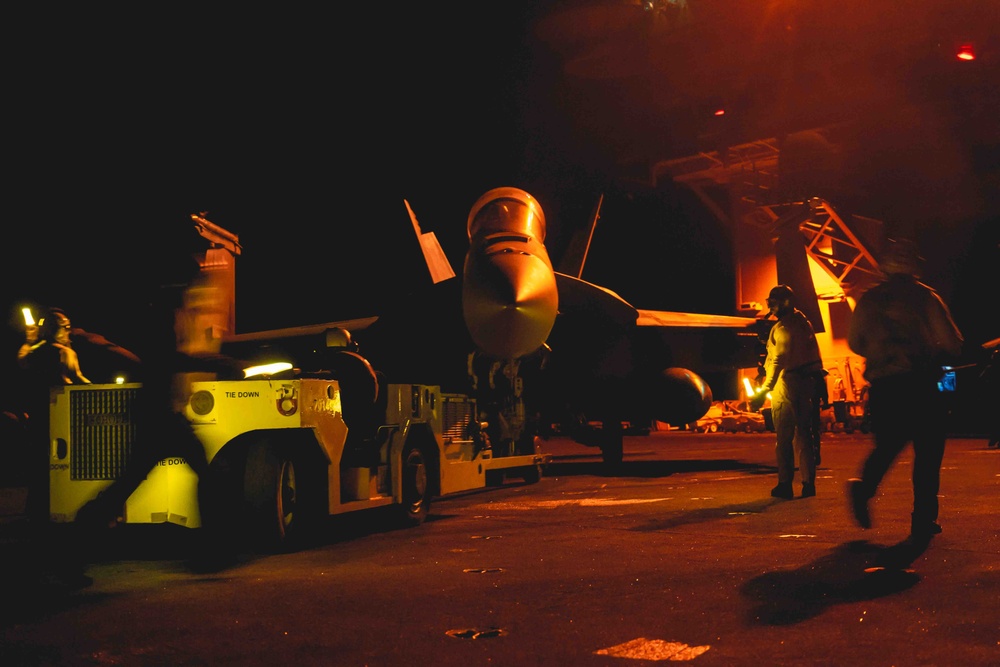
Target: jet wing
(306,346)
(699,341)
(662,318)
(309,331)
(579,296)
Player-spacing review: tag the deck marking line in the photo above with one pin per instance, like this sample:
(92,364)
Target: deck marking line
(653,649)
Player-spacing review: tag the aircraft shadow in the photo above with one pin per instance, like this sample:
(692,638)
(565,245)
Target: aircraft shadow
(851,572)
(560,467)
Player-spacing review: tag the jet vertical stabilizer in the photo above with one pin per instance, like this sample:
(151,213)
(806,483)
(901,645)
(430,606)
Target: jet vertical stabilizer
(437,262)
(575,257)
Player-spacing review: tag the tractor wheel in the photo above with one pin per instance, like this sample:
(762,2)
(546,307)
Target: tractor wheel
(276,519)
(416,499)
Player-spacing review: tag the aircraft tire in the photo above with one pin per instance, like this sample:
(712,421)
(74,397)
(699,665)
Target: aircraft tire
(612,451)
(532,474)
(494,478)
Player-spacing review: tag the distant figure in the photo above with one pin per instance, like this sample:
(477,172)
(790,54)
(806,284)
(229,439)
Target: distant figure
(174,350)
(51,356)
(905,332)
(989,376)
(48,362)
(792,369)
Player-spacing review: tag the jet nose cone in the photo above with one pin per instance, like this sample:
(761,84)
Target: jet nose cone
(509,301)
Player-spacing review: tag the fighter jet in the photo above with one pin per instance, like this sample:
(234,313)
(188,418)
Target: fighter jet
(552,348)
(537,347)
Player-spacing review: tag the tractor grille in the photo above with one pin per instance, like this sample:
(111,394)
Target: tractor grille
(102,431)
(458,414)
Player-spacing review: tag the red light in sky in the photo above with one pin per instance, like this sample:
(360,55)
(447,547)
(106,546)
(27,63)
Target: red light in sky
(966,53)
(720,112)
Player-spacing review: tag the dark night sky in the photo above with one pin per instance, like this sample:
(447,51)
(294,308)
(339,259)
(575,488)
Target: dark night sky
(302,133)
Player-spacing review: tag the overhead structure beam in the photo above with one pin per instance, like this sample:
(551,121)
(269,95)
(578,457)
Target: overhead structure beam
(750,173)
(830,241)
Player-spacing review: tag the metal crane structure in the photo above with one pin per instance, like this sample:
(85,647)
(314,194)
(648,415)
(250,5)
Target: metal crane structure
(829,258)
